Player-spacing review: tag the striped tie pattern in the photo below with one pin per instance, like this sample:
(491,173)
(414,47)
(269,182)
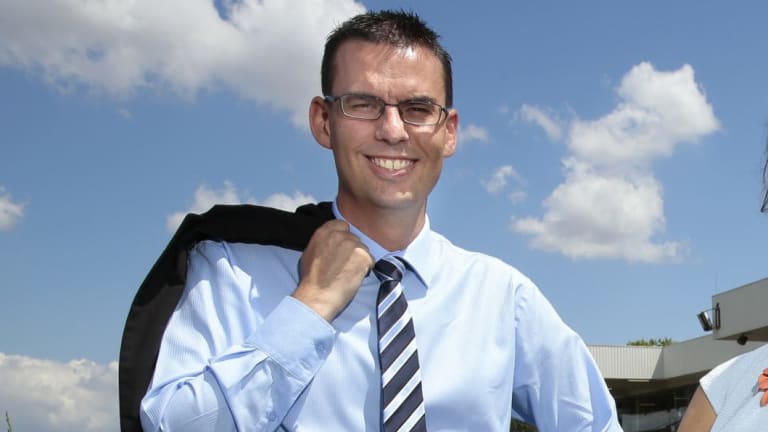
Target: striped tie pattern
(401,396)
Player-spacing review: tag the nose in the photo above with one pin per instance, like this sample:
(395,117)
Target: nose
(391,127)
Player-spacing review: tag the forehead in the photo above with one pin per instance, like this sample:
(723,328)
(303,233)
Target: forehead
(388,71)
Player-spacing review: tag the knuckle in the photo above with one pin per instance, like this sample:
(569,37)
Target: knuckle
(337,224)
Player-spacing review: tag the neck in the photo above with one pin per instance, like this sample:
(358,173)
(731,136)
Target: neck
(393,229)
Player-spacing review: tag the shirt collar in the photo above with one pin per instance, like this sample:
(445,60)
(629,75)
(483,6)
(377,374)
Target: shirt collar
(417,254)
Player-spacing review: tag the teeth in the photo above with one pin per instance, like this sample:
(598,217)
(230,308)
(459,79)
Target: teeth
(392,164)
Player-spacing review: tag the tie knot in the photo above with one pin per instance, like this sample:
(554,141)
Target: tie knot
(389,268)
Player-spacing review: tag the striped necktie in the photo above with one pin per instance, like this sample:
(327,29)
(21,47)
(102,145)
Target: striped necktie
(401,397)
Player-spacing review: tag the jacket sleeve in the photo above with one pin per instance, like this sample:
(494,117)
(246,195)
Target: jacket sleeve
(221,366)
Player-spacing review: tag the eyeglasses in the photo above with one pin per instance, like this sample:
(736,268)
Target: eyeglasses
(367,107)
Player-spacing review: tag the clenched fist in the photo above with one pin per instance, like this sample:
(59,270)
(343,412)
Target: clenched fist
(332,268)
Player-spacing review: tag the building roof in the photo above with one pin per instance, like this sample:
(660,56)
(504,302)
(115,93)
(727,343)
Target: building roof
(737,313)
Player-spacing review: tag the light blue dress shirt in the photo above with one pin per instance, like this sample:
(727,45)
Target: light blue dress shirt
(240,354)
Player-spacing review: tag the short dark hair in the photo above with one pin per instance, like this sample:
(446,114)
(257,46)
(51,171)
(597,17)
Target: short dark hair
(397,28)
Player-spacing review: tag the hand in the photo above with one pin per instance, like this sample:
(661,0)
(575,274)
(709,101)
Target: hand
(332,269)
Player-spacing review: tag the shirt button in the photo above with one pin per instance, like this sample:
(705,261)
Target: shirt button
(321,348)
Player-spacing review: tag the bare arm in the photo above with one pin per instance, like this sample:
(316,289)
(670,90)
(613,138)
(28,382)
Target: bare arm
(699,416)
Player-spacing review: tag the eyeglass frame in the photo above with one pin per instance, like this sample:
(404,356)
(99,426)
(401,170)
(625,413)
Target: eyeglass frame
(384,104)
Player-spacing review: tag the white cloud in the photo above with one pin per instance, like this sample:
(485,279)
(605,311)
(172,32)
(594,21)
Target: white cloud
(286,202)
(10,212)
(58,397)
(540,117)
(206,197)
(658,111)
(498,180)
(592,215)
(472,132)
(266,51)
(518,196)
(610,204)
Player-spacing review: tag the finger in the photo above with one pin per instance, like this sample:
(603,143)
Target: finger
(335,225)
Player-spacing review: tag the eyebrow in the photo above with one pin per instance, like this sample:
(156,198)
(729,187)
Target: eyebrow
(420,98)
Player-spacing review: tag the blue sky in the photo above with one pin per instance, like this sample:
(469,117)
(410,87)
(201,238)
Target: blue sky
(612,151)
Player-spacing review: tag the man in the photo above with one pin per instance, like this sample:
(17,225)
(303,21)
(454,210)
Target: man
(267,338)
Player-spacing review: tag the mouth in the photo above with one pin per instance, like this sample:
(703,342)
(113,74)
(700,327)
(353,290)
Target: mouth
(391,164)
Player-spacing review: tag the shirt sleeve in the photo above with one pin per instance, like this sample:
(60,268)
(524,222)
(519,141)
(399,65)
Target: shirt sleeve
(557,384)
(221,366)
(731,389)
(717,383)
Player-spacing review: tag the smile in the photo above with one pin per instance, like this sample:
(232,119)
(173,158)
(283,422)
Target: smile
(392,164)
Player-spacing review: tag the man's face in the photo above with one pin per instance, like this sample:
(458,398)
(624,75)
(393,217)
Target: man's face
(385,164)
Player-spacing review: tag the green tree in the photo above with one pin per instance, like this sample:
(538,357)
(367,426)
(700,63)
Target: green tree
(8,421)
(662,342)
(518,426)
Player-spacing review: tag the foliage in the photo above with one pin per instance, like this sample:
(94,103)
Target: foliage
(652,342)
(518,426)
(8,421)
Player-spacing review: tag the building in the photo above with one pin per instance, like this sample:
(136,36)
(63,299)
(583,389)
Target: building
(652,385)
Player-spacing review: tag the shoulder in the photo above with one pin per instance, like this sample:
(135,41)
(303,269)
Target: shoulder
(752,361)
(731,383)
(477,265)
(758,357)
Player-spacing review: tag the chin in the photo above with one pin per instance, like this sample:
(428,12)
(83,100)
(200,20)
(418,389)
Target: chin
(398,202)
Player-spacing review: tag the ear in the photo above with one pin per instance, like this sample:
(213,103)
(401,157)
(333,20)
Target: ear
(451,133)
(319,121)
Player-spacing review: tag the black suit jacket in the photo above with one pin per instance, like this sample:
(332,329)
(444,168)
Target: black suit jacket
(162,288)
